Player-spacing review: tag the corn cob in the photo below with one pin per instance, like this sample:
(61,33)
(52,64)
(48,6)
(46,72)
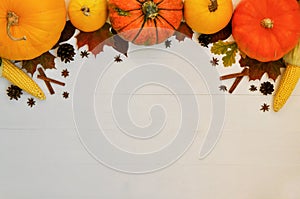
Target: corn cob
(286,86)
(19,78)
(289,79)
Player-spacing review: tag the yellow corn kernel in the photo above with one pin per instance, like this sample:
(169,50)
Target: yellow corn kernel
(286,86)
(19,78)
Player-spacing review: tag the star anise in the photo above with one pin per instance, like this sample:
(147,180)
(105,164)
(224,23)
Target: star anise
(65,95)
(253,88)
(265,107)
(223,88)
(118,58)
(30,102)
(84,53)
(266,88)
(14,92)
(168,43)
(214,61)
(65,73)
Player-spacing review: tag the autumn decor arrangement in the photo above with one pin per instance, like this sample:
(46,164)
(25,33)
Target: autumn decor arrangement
(260,37)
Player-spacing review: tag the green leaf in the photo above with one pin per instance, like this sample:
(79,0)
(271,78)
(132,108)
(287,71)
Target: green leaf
(229,58)
(228,49)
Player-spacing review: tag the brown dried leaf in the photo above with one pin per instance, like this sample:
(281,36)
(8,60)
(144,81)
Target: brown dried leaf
(96,40)
(120,45)
(183,31)
(46,60)
(222,34)
(257,69)
(66,34)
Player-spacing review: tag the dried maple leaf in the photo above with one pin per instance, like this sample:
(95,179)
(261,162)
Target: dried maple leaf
(67,33)
(205,39)
(96,40)
(46,60)
(222,34)
(257,69)
(228,49)
(183,31)
(120,44)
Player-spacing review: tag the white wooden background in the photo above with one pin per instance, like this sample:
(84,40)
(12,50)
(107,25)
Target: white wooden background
(42,157)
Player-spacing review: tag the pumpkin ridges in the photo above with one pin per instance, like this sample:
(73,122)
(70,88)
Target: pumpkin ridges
(166,33)
(158,3)
(160,16)
(167,9)
(146,28)
(134,20)
(140,30)
(156,30)
(124,6)
(169,4)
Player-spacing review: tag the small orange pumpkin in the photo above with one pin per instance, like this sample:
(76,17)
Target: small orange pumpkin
(87,15)
(266,29)
(29,28)
(145,22)
(207,16)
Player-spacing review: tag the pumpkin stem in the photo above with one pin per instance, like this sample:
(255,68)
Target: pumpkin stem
(213,6)
(150,10)
(86,11)
(267,23)
(12,20)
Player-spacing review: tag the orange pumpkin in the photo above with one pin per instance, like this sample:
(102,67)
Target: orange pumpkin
(207,16)
(29,28)
(145,22)
(87,15)
(266,29)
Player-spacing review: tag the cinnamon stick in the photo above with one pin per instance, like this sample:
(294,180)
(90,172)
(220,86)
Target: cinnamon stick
(51,90)
(239,77)
(235,75)
(50,80)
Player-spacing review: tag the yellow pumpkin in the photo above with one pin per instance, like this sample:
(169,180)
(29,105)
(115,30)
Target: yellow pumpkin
(87,15)
(29,28)
(207,16)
